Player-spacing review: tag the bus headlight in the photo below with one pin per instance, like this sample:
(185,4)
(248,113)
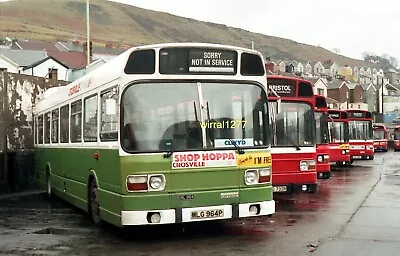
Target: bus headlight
(251,177)
(320,159)
(307,165)
(157,182)
(343,152)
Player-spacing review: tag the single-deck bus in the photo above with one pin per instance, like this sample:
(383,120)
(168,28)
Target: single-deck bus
(293,147)
(339,147)
(322,137)
(166,133)
(360,134)
(396,138)
(380,137)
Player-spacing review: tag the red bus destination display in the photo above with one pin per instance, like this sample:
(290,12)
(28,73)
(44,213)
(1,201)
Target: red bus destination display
(283,87)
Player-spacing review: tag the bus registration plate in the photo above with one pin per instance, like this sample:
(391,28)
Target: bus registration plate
(279,189)
(206,214)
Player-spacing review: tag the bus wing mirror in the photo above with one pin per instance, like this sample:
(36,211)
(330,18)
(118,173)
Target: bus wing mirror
(111,107)
(278,105)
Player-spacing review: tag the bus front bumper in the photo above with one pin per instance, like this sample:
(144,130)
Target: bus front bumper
(182,215)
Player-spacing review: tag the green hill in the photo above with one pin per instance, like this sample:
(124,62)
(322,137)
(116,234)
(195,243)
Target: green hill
(52,20)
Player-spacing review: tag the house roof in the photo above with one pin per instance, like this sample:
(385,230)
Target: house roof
(22,58)
(335,84)
(351,86)
(70,59)
(35,45)
(107,50)
(313,80)
(43,60)
(69,46)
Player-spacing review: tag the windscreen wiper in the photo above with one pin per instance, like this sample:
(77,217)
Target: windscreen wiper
(294,144)
(171,151)
(238,148)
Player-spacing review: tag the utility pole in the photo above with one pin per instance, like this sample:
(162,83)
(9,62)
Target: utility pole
(88,53)
(5,125)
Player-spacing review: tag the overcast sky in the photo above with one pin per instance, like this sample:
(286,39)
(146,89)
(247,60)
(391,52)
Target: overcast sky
(352,26)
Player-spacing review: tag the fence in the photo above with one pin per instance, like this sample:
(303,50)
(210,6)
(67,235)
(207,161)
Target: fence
(18,94)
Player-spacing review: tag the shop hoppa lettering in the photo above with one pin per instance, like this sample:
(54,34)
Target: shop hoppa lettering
(200,159)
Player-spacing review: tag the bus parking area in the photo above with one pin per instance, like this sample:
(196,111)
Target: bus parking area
(355,212)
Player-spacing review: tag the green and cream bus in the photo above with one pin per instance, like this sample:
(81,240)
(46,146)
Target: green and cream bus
(166,133)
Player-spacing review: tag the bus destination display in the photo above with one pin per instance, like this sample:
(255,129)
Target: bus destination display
(283,87)
(212,61)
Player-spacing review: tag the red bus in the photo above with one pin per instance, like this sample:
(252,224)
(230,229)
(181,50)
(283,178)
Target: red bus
(360,135)
(339,147)
(293,144)
(396,138)
(322,137)
(380,137)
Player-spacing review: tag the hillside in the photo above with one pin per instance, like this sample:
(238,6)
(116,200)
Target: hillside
(52,20)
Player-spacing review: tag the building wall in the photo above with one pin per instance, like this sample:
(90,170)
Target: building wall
(17,121)
(42,70)
(10,68)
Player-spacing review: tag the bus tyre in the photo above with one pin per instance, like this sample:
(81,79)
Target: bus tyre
(94,205)
(49,190)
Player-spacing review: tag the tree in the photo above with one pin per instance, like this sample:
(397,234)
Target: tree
(385,61)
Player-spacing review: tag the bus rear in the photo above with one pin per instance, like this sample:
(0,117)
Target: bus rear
(396,138)
(322,137)
(360,135)
(293,147)
(339,147)
(380,137)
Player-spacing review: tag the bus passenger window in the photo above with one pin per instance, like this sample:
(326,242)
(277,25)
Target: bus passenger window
(109,115)
(76,121)
(64,124)
(90,123)
(54,125)
(47,128)
(40,129)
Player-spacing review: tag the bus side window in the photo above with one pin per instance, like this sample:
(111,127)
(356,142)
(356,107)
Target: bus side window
(54,126)
(47,128)
(64,124)
(90,119)
(76,121)
(109,115)
(40,129)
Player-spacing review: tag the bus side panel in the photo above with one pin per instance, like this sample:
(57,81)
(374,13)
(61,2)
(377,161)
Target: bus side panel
(39,168)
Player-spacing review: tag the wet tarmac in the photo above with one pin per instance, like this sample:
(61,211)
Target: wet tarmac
(345,217)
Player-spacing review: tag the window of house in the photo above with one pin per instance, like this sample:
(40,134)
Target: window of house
(54,125)
(64,124)
(90,119)
(76,121)
(320,91)
(52,73)
(47,128)
(109,115)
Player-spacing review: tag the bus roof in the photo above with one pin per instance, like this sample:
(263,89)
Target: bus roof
(113,71)
(290,88)
(337,115)
(359,114)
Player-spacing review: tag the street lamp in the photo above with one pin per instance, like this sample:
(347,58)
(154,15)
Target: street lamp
(88,33)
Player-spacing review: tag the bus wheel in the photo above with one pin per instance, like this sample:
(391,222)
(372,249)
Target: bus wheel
(49,190)
(94,205)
